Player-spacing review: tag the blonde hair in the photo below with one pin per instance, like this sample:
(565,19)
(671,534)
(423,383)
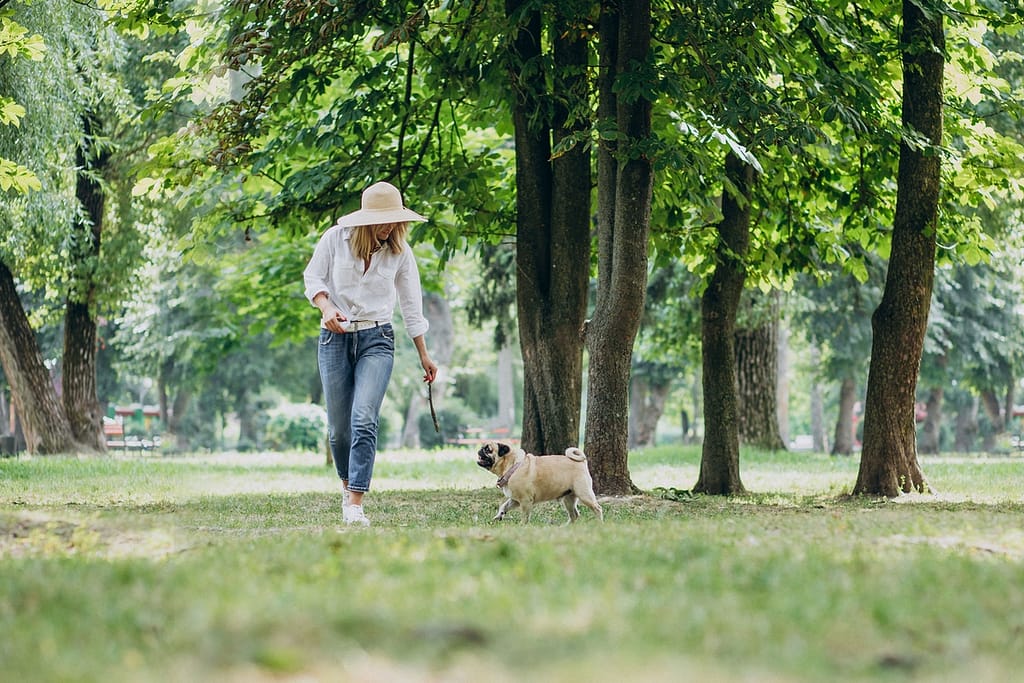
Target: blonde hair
(364,238)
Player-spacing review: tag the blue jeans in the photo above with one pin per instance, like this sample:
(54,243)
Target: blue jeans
(355,369)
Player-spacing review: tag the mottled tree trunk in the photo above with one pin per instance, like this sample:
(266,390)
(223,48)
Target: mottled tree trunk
(647,398)
(845,436)
(720,456)
(43,421)
(888,464)
(625,186)
(757,376)
(552,235)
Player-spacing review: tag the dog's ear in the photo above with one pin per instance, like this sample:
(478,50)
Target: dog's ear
(503,450)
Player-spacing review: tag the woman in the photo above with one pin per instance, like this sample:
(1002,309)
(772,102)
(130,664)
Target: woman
(359,268)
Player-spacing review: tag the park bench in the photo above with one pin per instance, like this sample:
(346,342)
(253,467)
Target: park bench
(476,437)
(113,432)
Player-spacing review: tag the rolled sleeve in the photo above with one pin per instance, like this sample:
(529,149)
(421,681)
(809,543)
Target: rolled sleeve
(410,296)
(317,275)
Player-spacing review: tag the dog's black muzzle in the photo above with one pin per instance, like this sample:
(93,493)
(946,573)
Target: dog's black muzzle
(484,458)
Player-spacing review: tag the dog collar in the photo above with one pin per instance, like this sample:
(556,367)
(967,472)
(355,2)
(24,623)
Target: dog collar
(508,475)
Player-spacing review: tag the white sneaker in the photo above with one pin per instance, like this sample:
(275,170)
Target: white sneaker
(353,514)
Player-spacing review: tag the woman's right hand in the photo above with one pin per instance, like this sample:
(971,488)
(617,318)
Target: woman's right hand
(332,318)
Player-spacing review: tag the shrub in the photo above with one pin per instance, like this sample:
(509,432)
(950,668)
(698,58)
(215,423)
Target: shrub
(299,426)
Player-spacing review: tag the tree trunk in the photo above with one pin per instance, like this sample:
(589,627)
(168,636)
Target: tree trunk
(931,429)
(966,426)
(888,464)
(757,375)
(34,398)
(720,455)
(994,409)
(818,436)
(552,236)
(782,381)
(625,186)
(845,435)
(81,404)
(176,417)
(647,397)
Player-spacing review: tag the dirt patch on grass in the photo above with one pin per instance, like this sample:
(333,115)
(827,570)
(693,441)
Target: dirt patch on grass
(41,534)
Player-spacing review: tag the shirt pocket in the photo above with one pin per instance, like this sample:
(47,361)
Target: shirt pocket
(380,281)
(348,275)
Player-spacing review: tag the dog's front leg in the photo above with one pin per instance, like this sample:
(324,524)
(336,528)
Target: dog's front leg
(505,507)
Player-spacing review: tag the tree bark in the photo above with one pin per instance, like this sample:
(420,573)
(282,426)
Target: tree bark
(81,405)
(625,186)
(720,455)
(845,436)
(35,400)
(757,377)
(889,463)
(552,236)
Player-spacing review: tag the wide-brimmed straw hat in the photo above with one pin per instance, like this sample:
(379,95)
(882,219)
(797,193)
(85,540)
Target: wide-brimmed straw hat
(381,203)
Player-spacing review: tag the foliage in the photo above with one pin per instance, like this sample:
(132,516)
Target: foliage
(452,424)
(16,42)
(297,427)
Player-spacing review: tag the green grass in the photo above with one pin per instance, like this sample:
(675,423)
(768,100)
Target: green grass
(236,568)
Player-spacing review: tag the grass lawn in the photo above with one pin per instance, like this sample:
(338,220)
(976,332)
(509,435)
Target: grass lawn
(235,567)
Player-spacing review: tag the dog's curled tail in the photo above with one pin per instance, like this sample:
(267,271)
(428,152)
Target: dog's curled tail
(574,453)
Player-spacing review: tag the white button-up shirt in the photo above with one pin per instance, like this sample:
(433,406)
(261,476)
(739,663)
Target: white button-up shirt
(334,269)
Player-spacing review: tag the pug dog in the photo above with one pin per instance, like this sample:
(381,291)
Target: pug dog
(526,479)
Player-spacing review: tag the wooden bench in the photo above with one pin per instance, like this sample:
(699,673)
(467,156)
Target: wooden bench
(113,432)
(475,437)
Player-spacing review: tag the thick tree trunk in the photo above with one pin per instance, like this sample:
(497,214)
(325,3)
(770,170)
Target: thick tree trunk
(757,376)
(552,237)
(78,366)
(624,189)
(931,429)
(720,455)
(35,400)
(845,437)
(888,464)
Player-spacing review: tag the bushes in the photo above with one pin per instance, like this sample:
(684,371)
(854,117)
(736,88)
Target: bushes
(452,423)
(299,426)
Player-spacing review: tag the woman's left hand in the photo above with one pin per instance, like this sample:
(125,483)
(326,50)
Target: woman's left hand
(429,369)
